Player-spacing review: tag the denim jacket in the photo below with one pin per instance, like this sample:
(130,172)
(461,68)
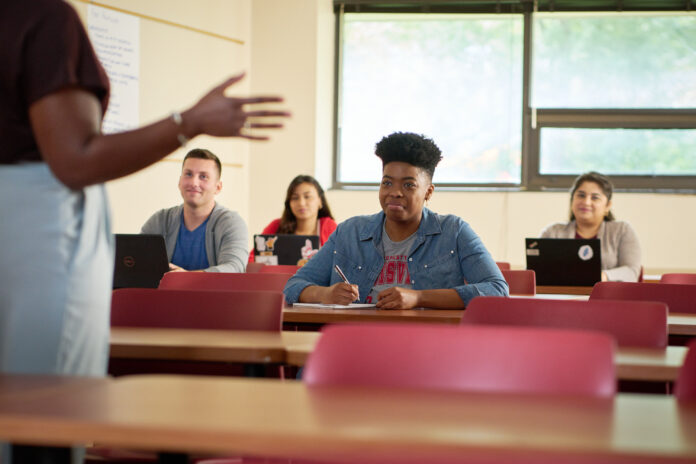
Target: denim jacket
(446,253)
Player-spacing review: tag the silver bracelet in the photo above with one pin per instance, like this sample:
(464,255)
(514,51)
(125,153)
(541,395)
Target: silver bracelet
(179,121)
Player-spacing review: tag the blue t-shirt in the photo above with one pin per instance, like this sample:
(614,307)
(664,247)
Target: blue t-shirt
(189,252)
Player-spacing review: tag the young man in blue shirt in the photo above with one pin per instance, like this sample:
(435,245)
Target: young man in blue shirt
(201,235)
(406,256)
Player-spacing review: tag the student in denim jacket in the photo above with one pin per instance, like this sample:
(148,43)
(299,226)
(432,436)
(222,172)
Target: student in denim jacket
(406,256)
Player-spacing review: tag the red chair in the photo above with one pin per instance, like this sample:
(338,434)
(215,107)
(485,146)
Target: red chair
(678,278)
(685,387)
(197,309)
(226,281)
(521,282)
(503,265)
(638,324)
(280,269)
(254,267)
(490,359)
(679,298)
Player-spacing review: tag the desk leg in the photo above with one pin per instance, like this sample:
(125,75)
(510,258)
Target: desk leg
(172,458)
(22,454)
(255,370)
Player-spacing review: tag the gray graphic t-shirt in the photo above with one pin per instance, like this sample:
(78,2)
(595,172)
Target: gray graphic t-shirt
(395,270)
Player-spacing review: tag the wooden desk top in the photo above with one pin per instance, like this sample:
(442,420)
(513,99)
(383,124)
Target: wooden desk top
(563,290)
(678,324)
(294,348)
(649,364)
(241,346)
(287,419)
(682,324)
(328,316)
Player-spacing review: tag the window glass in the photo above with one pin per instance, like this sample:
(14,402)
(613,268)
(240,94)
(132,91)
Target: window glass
(618,151)
(619,60)
(454,78)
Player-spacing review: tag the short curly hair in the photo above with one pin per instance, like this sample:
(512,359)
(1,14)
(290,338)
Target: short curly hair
(414,149)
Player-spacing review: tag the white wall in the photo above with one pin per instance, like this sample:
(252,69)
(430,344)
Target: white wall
(288,50)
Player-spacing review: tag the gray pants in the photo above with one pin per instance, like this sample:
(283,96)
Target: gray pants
(56,266)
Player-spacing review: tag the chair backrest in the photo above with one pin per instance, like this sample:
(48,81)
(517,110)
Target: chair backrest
(197,309)
(466,358)
(679,298)
(254,267)
(678,278)
(279,269)
(631,323)
(224,281)
(503,265)
(685,387)
(521,282)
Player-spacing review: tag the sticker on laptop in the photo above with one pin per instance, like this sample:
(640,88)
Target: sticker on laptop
(585,252)
(307,252)
(265,247)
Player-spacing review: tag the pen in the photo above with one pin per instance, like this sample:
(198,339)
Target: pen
(340,273)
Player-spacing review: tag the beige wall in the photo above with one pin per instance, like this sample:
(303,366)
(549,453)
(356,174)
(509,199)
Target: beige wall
(289,50)
(177,67)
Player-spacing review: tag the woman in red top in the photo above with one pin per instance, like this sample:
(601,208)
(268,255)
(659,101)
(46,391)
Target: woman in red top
(306,212)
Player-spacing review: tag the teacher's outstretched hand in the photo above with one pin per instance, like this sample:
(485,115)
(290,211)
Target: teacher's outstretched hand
(222,116)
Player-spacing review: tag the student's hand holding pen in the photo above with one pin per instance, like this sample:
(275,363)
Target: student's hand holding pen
(340,293)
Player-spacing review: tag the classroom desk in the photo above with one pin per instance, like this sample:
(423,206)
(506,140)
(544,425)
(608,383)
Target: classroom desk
(327,316)
(647,364)
(232,346)
(288,419)
(563,290)
(293,348)
(678,323)
(682,324)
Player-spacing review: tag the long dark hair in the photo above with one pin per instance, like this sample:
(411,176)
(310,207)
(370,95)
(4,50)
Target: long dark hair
(288,221)
(599,179)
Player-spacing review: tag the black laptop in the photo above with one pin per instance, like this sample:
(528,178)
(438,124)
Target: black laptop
(285,248)
(141,260)
(565,261)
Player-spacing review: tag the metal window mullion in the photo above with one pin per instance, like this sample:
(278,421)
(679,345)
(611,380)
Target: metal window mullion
(617,118)
(338,86)
(530,154)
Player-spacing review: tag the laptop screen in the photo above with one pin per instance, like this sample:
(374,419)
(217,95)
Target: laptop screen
(141,260)
(285,248)
(564,261)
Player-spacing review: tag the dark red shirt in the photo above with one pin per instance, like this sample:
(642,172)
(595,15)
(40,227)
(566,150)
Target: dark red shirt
(44,49)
